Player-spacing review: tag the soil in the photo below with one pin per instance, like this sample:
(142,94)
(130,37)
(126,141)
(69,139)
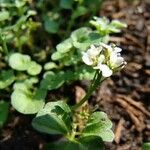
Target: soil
(125,97)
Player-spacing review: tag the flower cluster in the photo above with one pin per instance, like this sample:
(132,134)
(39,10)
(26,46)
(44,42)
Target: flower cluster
(106,58)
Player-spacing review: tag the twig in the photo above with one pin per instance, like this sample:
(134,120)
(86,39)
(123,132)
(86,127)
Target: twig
(118,131)
(134,103)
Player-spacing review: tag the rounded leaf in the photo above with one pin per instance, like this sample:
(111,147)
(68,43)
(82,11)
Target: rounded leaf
(34,68)
(57,56)
(50,65)
(64,46)
(4,15)
(19,61)
(26,99)
(52,81)
(24,103)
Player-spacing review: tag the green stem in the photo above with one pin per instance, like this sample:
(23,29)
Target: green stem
(4,44)
(96,81)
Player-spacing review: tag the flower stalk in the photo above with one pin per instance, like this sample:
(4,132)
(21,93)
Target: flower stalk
(94,84)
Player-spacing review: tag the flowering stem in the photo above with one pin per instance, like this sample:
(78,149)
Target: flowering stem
(96,81)
(4,44)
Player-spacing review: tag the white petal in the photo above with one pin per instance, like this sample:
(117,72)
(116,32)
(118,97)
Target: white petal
(108,47)
(86,59)
(93,51)
(101,58)
(117,49)
(106,71)
(98,65)
(113,57)
(119,61)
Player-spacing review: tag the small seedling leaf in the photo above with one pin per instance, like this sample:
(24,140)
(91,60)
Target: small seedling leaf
(34,68)
(19,61)
(25,100)
(6,78)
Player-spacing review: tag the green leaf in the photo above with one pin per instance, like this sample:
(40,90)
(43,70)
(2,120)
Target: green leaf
(80,11)
(4,106)
(51,26)
(92,142)
(80,38)
(105,27)
(146,146)
(23,62)
(4,15)
(86,143)
(57,55)
(80,34)
(52,81)
(101,24)
(50,65)
(26,85)
(64,46)
(6,78)
(54,118)
(66,4)
(34,68)
(19,3)
(118,24)
(24,103)
(26,100)
(19,61)
(84,72)
(99,125)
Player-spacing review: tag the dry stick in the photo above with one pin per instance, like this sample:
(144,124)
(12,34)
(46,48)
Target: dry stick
(134,103)
(135,115)
(118,131)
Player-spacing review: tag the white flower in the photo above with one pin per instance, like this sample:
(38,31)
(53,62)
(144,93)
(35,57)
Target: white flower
(90,56)
(115,59)
(106,71)
(106,58)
